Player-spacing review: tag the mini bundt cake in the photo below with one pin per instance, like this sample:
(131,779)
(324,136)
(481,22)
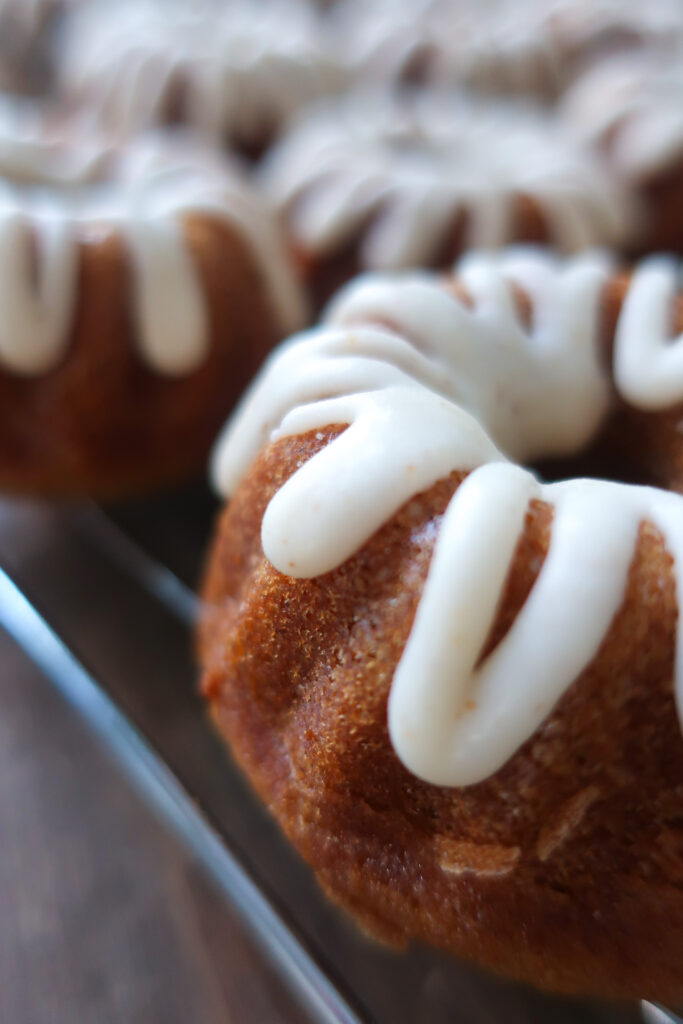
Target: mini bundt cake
(629,109)
(234,72)
(456,687)
(375,182)
(140,288)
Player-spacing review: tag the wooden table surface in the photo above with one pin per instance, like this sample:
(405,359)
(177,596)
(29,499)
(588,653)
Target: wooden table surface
(104,918)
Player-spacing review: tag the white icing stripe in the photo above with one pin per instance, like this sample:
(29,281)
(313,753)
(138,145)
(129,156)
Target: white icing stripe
(330,367)
(499,47)
(455,724)
(648,361)
(173,333)
(37,292)
(354,485)
(453,721)
(401,174)
(143,193)
(245,211)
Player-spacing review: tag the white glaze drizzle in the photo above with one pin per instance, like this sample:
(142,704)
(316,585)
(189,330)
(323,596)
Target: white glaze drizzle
(36,309)
(451,721)
(244,68)
(411,166)
(497,46)
(57,193)
(648,361)
(632,107)
(354,485)
(540,390)
(455,724)
(494,46)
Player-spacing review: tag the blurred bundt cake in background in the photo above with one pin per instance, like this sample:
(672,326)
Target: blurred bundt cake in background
(140,287)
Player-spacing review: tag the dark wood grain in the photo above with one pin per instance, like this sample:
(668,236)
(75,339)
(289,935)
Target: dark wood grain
(104,919)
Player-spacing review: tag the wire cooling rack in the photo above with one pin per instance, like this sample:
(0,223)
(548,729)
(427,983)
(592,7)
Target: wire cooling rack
(102,600)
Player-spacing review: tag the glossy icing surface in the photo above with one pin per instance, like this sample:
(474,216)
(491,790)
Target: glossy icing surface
(402,370)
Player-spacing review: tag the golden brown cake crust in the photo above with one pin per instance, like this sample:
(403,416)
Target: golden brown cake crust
(564,869)
(103,422)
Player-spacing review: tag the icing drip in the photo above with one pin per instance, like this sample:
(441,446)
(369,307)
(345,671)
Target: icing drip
(498,46)
(354,485)
(539,390)
(494,46)
(242,69)
(648,362)
(143,192)
(632,106)
(399,173)
(455,724)
(451,720)
(173,332)
(37,308)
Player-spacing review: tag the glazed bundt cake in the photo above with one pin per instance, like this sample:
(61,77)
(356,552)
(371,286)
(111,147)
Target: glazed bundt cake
(375,182)
(140,288)
(455,686)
